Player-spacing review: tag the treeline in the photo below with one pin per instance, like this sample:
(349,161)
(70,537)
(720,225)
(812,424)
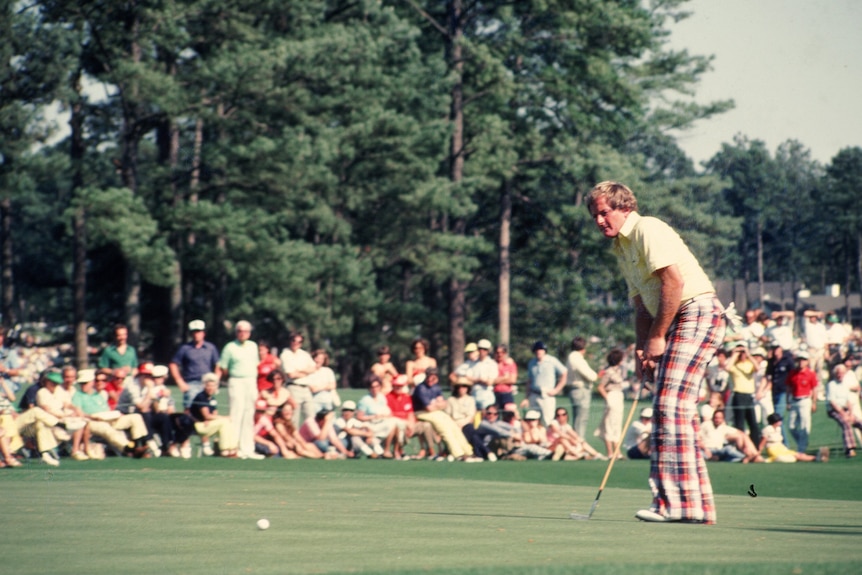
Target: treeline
(371,171)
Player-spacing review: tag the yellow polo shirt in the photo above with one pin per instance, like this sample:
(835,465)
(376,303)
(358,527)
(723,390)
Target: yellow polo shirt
(647,244)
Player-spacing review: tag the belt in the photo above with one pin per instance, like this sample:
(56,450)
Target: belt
(708,295)
(801,398)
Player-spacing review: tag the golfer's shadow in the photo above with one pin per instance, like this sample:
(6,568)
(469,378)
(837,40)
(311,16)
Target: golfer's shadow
(564,517)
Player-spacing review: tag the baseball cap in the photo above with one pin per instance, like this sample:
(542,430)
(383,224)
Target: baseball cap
(801,355)
(539,345)
(646,412)
(471,347)
(145,368)
(197,325)
(351,405)
(531,415)
(160,371)
(485,344)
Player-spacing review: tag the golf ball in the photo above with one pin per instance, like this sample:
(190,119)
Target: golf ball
(263,524)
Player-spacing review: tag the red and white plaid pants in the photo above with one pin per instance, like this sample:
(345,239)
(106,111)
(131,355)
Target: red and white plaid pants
(678,477)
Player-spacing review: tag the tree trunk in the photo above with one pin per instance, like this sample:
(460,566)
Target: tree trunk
(505,262)
(79,263)
(760,289)
(7,253)
(457,288)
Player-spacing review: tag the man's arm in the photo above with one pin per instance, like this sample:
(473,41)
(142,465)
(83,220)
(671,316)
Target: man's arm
(178,377)
(670,298)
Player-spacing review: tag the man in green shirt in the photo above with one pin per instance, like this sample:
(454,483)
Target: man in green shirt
(238,362)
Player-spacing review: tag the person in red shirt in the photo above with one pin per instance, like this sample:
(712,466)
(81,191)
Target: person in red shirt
(401,405)
(268,362)
(802,399)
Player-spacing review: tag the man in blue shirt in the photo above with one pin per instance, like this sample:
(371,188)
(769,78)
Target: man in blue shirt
(192,361)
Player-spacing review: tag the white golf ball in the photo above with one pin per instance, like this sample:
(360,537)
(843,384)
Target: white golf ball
(263,524)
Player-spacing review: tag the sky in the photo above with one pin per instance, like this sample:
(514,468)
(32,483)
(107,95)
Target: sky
(792,67)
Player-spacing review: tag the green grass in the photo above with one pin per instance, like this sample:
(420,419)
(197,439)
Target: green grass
(198,516)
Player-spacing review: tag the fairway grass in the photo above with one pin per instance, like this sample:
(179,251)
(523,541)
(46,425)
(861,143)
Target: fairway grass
(198,516)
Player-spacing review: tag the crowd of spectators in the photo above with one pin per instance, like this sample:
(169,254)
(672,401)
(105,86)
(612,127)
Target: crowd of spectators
(758,396)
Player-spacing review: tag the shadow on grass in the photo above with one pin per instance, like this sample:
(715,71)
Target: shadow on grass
(816,529)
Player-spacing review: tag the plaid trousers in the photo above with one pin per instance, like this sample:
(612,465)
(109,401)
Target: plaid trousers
(678,477)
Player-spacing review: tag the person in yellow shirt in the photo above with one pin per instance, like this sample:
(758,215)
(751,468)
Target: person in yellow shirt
(679,325)
(743,372)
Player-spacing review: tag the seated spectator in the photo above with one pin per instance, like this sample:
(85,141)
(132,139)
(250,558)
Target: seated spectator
(507,376)
(636,443)
(208,422)
(267,441)
(722,442)
(777,451)
(565,442)
(839,406)
(41,422)
(277,394)
(533,439)
(373,410)
(139,397)
(355,435)
(107,424)
(11,440)
(461,407)
(320,430)
(429,406)
(496,434)
(73,417)
(283,422)
(401,406)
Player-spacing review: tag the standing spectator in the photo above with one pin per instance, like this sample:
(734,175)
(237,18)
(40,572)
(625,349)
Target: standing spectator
(679,325)
(192,361)
(802,393)
(384,368)
(742,372)
(611,389)
(762,389)
(420,362)
(238,362)
(546,377)
(579,385)
(268,362)
(814,333)
(120,356)
(782,332)
(430,406)
(837,336)
(484,375)
(507,376)
(297,365)
(778,367)
(467,369)
(322,383)
(839,406)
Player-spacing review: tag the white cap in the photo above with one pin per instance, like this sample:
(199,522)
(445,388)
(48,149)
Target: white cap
(485,344)
(86,376)
(349,404)
(532,414)
(160,371)
(646,412)
(197,325)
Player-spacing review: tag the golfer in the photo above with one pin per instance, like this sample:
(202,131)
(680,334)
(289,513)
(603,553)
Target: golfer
(679,324)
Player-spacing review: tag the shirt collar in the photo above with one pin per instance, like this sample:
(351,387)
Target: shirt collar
(631,220)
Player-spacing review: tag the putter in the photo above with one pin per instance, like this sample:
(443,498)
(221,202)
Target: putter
(581,516)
